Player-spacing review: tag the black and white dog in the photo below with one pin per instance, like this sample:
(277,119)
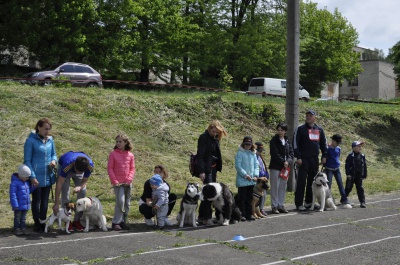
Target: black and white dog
(222,198)
(187,213)
(63,215)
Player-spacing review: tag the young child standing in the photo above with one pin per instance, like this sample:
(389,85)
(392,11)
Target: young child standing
(247,172)
(160,199)
(332,166)
(262,174)
(121,171)
(20,200)
(356,171)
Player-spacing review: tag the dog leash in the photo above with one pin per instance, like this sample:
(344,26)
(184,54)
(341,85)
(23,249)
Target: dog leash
(98,195)
(56,176)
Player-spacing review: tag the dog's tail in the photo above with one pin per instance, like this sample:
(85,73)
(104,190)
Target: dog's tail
(45,220)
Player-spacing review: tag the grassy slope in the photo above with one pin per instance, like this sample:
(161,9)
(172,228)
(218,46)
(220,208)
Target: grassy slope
(164,128)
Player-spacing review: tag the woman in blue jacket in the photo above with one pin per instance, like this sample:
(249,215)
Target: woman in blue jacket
(40,156)
(247,169)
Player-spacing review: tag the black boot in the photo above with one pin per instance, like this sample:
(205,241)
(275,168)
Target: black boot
(38,227)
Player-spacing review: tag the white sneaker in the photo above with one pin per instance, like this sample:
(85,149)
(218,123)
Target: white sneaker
(168,222)
(149,222)
(301,208)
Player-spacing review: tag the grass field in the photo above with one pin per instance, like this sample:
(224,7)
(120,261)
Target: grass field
(164,127)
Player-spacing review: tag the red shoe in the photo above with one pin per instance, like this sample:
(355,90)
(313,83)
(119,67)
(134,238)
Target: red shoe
(78,226)
(71,227)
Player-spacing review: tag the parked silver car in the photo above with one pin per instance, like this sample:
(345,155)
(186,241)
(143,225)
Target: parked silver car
(79,75)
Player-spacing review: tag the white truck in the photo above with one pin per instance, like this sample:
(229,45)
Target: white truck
(273,86)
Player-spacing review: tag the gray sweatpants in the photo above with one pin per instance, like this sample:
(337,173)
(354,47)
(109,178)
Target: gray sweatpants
(122,204)
(161,215)
(277,189)
(65,191)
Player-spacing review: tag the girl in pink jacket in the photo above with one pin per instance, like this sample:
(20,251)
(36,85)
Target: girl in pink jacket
(121,171)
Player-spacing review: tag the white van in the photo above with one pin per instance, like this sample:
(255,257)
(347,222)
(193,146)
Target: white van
(273,86)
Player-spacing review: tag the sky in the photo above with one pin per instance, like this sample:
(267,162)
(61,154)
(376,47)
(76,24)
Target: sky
(376,21)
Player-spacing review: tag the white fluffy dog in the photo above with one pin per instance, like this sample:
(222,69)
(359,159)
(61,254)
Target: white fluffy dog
(92,213)
(322,193)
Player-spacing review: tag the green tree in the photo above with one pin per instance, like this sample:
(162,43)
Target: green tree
(326,48)
(394,57)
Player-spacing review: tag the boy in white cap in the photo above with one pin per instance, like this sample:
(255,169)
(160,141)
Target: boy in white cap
(20,199)
(356,171)
(160,199)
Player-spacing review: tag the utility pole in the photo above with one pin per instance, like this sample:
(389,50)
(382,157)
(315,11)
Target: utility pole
(292,75)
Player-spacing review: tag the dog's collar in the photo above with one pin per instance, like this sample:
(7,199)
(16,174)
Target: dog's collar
(66,212)
(193,200)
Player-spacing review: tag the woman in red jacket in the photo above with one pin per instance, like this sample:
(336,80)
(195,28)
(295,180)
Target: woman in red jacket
(121,171)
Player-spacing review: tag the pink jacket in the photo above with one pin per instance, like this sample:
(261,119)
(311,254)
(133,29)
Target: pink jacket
(121,167)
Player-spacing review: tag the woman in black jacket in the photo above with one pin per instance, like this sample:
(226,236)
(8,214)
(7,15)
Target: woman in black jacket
(209,161)
(281,152)
(145,202)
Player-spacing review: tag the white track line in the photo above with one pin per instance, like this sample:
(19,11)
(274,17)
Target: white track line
(333,250)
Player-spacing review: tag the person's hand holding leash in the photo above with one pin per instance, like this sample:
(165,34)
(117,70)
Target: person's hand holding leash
(55,209)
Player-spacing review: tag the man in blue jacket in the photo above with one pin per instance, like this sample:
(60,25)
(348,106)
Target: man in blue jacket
(76,166)
(308,140)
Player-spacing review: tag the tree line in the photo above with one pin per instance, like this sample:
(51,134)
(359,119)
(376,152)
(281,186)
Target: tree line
(215,43)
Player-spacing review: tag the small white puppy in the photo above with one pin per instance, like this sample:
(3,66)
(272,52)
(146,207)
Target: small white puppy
(322,193)
(63,215)
(92,213)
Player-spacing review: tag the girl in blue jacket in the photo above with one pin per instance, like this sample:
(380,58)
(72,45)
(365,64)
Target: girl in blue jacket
(247,169)
(20,198)
(40,156)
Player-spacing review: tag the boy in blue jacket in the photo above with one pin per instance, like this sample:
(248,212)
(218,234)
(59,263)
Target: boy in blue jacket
(20,200)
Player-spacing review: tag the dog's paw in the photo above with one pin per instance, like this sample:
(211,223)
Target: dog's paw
(194,225)
(226,222)
(86,230)
(320,210)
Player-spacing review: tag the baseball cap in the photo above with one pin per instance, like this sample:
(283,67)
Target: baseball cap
(260,146)
(312,112)
(247,140)
(356,143)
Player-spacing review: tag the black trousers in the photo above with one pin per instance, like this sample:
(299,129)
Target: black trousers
(307,172)
(244,198)
(205,208)
(358,181)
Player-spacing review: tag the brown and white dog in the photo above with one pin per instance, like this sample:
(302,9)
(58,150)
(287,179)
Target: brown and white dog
(92,213)
(258,191)
(63,215)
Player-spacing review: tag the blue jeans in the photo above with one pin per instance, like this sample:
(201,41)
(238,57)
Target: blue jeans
(19,219)
(338,177)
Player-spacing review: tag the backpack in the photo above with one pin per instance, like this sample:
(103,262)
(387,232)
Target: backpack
(193,165)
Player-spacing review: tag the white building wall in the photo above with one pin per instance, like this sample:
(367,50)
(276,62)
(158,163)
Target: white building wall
(377,81)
